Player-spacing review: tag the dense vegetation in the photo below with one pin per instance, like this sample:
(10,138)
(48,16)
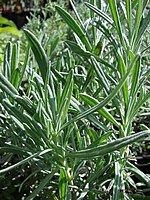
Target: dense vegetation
(74,104)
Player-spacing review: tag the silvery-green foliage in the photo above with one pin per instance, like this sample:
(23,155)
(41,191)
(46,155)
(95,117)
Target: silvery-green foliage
(74,124)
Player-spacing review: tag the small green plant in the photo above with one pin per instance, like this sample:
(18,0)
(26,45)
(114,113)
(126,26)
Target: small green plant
(73,127)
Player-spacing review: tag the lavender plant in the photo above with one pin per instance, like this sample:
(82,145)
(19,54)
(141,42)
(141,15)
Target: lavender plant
(73,125)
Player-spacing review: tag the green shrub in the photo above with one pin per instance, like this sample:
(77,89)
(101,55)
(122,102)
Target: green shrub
(73,127)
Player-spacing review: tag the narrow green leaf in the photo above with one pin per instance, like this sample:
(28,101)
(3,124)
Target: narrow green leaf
(103,111)
(136,102)
(138,18)
(26,179)
(14,58)
(100,13)
(74,26)
(122,69)
(24,161)
(100,74)
(84,192)
(65,100)
(100,140)
(91,118)
(139,104)
(139,174)
(89,78)
(39,53)
(142,29)
(58,75)
(54,45)
(23,68)
(77,15)
(135,77)
(6,89)
(67,87)
(39,86)
(100,169)
(94,31)
(108,148)
(61,117)
(14,149)
(15,78)
(51,104)
(129,17)
(42,184)
(105,30)
(8,85)
(7,61)
(19,163)
(32,127)
(26,103)
(32,133)
(77,49)
(115,15)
